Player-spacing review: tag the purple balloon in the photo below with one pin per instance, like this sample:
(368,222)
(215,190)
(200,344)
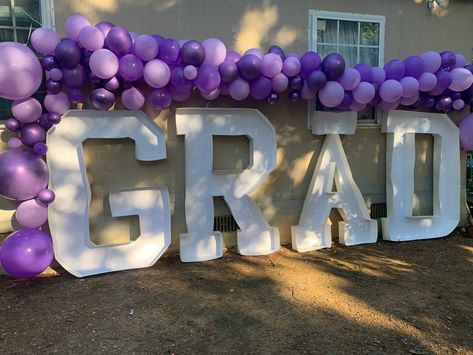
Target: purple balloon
(460,61)
(291,66)
(55,74)
(45,40)
(277,50)
(333,65)
(104,63)
(73,78)
(26,110)
(210,95)
(102,99)
(448,60)
(22,174)
(160,99)
(427,82)
(260,88)
(119,40)
(410,86)
(192,53)
(332,94)
(432,61)
(132,99)
(366,74)
(408,101)
(279,83)
(317,80)
(32,133)
(46,196)
(105,27)
(48,62)
(26,253)
(466,132)
(239,89)
(444,79)
(12,124)
(180,94)
(40,148)
(271,65)
(43,121)
(233,56)
(443,103)
(31,214)
(145,47)
(310,61)
(272,98)
(414,66)
(296,82)
(91,38)
(462,79)
(130,67)
(57,103)
(249,67)
(364,93)
(112,84)
(67,53)
(350,78)
(387,106)
(178,78)
(215,51)
(378,75)
(390,91)
(228,71)
(190,72)
(208,78)
(53,87)
(394,69)
(156,73)
(458,104)
(169,50)
(21,74)
(256,51)
(74,24)
(294,96)
(75,96)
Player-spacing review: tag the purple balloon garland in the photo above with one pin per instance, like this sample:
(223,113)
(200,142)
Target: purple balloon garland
(113,63)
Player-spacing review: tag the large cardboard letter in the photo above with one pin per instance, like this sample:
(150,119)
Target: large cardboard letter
(69,213)
(256,236)
(313,232)
(401,127)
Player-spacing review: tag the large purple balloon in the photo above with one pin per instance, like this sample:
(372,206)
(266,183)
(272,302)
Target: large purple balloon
(192,53)
(160,98)
(427,82)
(332,94)
(102,99)
(333,66)
(119,40)
(31,214)
(26,253)
(260,88)
(132,99)
(466,132)
(74,24)
(26,110)
(394,69)
(32,133)
(414,66)
(68,53)
(249,66)
(271,65)
(91,38)
(145,47)
(215,51)
(310,61)
(22,174)
(20,74)
(169,50)
(208,78)
(156,73)
(130,67)
(45,40)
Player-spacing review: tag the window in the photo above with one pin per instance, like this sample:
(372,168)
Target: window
(359,38)
(18,18)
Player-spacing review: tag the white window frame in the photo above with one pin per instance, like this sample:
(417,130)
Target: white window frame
(314,16)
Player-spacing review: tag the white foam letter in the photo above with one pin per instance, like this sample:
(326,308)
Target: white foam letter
(256,236)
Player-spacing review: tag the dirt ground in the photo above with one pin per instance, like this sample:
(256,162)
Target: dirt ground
(394,298)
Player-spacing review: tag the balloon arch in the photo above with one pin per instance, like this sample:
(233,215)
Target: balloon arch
(106,62)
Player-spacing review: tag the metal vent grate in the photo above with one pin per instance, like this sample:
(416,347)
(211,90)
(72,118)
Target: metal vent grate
(225,223)
(378,210)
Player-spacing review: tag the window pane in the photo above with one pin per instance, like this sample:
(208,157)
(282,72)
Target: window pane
(350,55)
(348,32)
(326,31)
(22,37)
(367,115)
(369,56)
(23,8)
(6,35)
(5,13)
(369,33)
(323,49)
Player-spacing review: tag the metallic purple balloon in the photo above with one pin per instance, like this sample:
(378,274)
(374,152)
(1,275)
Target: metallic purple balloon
(32,133)
(43,121)
(448,59)
(119,40)
(26,253)
(228,71)
(68,53)
(102,99)
(31,213)
(53,87)
(317,80)
(249,66)
(294,96)
(296,82)
(272,98)
(333,65)
(54,118)
(160,99)
(12,124)
(22,174)
(49,62)
(46,196)
(40,148)
(193,53)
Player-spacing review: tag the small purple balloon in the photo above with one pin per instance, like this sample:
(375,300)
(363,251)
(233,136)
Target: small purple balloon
(32,133)
(102,99)
(310,61)
(54,118)
(178,78)
(192,53)
(43,121)
(296,82)
(74,78)
(294,96)
(22,174)
(169,50)
(160,98)
(67,53)
(333,65)
(249,67)
(190,72)
(14,143)
(53,87)
(31,214)
(40,148)
(12,124)
(272,98)
(458,104)
(119,40)
(26,253)
(46,196)
(112,84)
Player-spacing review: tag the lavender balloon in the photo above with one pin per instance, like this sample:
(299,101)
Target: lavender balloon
(332,94)
(26,253)
(103,63)
(427,82)
(350,79)
(279,83)
(432,61)
(271,65)
(364,93)
(31,214)
(26,110)
(215,51)
(239,89)
(145,47)
(45,40)
(410,86)
(390,91)
(12,124)
(190,72)
(291,66)
(466,132)
(132,99)
(57,103)
(74,24)
(378,75)
(22,174)
(156,73)
(91,38)
(119,40)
